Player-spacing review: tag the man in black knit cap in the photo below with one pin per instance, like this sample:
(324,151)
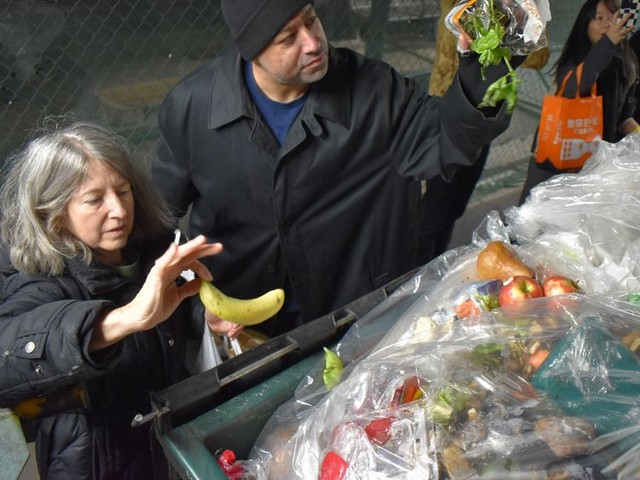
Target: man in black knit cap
(306,160)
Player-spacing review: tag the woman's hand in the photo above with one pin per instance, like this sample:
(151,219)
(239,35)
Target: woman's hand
(160,295)
(219,326)
(618,30)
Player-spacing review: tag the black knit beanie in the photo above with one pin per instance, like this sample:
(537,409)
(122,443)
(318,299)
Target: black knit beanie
(254,23)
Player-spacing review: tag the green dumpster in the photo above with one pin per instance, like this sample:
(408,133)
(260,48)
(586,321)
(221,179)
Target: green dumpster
(235,424)
(227,407)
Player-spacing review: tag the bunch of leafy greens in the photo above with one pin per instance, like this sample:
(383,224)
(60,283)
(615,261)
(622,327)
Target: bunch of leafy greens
(488,44)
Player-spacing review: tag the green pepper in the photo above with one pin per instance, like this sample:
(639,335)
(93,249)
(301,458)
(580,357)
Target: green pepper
(333,367)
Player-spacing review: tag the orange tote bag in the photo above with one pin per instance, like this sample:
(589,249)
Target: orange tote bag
(570,129)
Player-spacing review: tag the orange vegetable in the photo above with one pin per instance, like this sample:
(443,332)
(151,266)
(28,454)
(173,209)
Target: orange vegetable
(466,309)
(412,390)
(538,358)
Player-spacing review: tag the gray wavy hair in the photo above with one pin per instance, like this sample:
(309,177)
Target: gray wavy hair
(40,180)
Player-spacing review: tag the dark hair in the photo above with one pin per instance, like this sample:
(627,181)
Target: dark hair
(39,182)
(578,44)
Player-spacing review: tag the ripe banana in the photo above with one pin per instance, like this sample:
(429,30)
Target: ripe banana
(245,312)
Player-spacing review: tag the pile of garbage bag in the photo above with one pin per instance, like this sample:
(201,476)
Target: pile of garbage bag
(450,378)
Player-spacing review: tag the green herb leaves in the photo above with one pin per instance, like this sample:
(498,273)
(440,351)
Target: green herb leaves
(505,88)
(488,47)
(487,44)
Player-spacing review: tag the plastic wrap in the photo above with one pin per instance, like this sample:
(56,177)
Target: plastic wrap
(524,21)
(440,383)
(588,224)
(457,399)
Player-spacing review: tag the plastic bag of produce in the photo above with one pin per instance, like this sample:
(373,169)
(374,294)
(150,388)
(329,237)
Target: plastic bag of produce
(525,365)
(522,392)
(588,224)
(470,398)
(496,30)
(518,25)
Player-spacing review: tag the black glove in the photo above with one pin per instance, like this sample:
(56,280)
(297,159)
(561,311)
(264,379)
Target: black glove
(473,85)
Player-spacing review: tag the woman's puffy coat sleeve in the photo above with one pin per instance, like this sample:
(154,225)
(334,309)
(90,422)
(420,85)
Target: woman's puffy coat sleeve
(44,339)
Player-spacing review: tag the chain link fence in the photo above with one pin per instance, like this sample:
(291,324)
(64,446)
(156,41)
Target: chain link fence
(112,61)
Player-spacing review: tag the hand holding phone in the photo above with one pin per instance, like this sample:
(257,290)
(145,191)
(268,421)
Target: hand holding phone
(633,7)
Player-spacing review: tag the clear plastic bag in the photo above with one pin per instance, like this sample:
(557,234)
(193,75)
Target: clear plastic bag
(588,224)
(546,388)
(458,399)
(524,21)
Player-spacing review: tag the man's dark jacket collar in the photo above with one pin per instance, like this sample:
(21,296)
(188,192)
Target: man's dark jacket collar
(230,99)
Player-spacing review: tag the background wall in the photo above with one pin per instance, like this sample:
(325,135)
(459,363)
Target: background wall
(112,61)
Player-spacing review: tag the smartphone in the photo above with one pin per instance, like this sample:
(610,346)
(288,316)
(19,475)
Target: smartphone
(631,6)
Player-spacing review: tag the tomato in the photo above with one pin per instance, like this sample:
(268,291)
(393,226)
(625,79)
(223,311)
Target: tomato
(378,430)
(334,467)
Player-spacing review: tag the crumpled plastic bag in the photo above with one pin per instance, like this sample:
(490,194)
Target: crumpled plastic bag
(588,223)
(456,399)
(547,388)
(524,21)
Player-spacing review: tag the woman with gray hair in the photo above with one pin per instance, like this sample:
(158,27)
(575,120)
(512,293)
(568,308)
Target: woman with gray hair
(90,301)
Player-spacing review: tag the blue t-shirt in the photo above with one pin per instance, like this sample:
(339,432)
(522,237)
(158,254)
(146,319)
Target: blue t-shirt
(279,116)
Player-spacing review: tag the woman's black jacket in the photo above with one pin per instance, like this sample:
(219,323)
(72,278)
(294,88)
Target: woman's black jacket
(45,329)
(603,66)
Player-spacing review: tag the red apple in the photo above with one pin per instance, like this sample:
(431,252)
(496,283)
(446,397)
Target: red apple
(519,288)
(559,285)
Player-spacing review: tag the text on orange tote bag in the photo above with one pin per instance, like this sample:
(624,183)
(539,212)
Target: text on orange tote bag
(570,129)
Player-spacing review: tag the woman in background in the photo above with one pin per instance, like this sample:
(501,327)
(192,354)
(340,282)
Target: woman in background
(599,38)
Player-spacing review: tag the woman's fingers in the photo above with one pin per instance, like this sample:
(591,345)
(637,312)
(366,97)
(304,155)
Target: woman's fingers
(198,248)
(189,289)
(183,257)
(235,330)
(200,270)
(626,18)
(619,29)
(220,326)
